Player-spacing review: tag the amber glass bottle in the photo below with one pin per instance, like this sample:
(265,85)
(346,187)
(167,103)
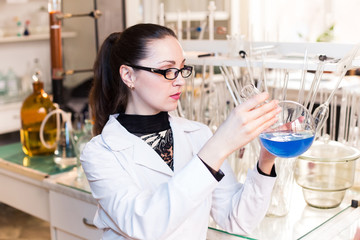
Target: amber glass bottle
(34,109)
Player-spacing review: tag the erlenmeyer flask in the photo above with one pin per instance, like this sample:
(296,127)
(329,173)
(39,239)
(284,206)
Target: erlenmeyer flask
(64,155)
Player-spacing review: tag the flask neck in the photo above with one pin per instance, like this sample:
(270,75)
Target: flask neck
(38,87)
(88,126)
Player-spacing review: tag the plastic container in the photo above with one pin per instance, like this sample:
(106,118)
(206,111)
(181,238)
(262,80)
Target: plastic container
(325,172)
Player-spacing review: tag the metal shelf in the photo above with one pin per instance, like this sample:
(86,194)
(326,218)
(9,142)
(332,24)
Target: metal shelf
(285,56)
(277,63)
(35,37)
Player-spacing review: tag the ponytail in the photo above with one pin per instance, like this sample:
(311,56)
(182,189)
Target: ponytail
(104,95)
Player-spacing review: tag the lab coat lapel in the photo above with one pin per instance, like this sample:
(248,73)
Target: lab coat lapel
(119,139)
(145,155)
(183,147)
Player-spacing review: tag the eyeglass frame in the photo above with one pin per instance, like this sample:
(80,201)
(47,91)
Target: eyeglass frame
(163,71)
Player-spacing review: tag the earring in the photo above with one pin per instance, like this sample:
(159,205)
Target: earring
(131,87)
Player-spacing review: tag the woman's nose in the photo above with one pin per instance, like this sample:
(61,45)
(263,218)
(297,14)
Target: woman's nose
(179,81)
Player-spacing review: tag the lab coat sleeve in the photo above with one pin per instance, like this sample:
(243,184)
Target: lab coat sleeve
(236,207)
(239,208)
(139,213)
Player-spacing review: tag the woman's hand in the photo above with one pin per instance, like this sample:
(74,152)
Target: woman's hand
(244,124)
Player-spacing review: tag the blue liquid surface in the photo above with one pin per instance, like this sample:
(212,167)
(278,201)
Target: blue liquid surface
(287,144)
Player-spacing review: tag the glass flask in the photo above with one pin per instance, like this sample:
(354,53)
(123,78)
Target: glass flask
(65,153)
(34,109)
(294,131)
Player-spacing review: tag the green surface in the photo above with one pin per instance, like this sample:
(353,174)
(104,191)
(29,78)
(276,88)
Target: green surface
(232,234)
(45,164)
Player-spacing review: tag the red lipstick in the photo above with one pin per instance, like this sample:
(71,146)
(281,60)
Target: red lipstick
(176,96)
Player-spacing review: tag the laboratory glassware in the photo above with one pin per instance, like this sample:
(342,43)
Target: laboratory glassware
(283,187)
(64,154)
(294,131)
(83,139)
(303,76)
(325,172)
(321,113)
(33,110)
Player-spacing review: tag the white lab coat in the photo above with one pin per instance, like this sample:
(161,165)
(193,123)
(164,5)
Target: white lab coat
(140,197)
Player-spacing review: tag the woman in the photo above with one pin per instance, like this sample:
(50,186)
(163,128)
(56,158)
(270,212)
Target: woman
(156,176)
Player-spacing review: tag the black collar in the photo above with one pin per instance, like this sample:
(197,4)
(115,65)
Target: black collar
(144,123)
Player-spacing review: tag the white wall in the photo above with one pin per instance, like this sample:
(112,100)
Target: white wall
(19,56)
(112,18)
(347,18)
(284,20)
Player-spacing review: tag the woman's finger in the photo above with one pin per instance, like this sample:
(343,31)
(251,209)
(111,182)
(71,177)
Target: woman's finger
(263,109)
(255,101)
(261,123)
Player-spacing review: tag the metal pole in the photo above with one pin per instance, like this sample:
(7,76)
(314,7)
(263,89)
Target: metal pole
(96,29)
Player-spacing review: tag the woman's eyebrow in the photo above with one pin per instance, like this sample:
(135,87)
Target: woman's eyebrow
(167,61)
(171,61)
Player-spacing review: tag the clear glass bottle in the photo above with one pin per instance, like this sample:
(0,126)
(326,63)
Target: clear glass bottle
(34,109)
(84,138)
(13,83)
(3,85)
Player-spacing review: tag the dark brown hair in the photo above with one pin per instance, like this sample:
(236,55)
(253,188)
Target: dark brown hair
(109,94)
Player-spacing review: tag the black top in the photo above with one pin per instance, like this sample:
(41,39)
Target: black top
(144,124)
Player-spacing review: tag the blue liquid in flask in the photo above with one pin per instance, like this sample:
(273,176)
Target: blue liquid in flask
(287,144)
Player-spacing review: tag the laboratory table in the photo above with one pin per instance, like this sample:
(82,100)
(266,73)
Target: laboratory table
(64,200)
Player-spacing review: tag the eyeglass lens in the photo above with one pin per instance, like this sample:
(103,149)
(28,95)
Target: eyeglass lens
(172,73)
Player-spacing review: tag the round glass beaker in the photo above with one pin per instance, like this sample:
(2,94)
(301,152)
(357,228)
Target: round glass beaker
(294,131)
(325,172)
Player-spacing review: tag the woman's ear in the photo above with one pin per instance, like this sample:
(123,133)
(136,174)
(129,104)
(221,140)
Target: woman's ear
(127,75)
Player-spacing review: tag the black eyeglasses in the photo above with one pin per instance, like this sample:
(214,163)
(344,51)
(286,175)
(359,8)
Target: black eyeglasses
(170,73)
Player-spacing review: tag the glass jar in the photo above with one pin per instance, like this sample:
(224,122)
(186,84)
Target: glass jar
(325,172)
(34,109)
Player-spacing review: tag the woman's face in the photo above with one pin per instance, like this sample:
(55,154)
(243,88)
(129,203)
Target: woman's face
(152,92)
